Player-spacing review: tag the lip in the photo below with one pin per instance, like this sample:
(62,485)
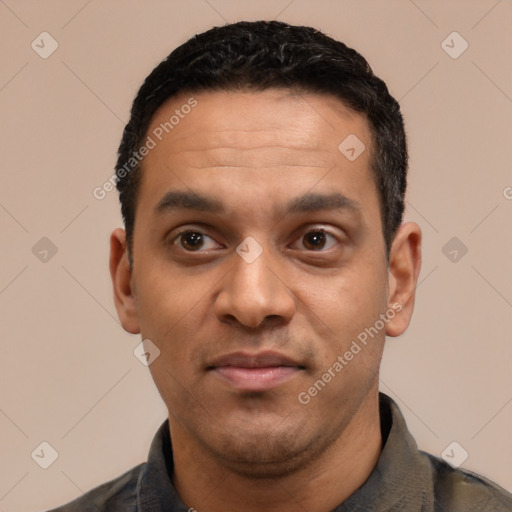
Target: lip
(255,372)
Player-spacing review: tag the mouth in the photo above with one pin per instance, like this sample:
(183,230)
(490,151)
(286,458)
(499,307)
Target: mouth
(255,372)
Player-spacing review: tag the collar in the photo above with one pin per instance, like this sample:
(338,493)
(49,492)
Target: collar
(401,480)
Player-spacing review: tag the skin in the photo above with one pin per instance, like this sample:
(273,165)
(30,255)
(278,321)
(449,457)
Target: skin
(255,152)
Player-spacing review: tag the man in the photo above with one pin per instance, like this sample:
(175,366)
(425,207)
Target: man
(262,178)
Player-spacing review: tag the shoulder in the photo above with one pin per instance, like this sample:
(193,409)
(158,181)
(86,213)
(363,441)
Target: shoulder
(462,490)
(119,494)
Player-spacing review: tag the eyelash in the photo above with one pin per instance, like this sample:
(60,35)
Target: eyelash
(176,239)
(179,236)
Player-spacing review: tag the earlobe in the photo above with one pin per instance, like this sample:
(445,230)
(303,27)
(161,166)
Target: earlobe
(121,274)
(404,269)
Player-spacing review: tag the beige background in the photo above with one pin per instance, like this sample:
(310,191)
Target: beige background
(67,369)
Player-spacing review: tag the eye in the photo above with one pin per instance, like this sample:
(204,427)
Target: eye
(317,240)
(194,241)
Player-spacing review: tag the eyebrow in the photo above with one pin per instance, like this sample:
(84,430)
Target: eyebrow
(310,202)
(181,200)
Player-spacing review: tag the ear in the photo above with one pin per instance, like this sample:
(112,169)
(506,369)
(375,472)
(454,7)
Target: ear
(404,268)
(121,274)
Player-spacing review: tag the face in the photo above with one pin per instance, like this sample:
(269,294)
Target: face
(258,260)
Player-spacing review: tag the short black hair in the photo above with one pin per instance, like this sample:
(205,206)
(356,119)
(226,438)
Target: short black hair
(263,55)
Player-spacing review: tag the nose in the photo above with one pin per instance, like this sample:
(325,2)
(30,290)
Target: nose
(254,293)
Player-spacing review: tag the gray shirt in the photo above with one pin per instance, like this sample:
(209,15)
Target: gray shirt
(404,479)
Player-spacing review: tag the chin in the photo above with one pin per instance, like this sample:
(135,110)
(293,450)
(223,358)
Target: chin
(266,453)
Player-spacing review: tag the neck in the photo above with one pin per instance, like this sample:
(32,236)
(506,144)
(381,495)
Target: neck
(206,485)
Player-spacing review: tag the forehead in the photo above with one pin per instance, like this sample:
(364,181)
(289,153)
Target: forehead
(270,142)
(278,117)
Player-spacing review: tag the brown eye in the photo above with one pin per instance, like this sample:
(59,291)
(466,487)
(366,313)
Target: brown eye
(192,240)
(315,240)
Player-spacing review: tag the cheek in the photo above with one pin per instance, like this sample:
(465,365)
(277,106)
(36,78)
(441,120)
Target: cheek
(165,297)
(350,345)
(348,302)
(174,310)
